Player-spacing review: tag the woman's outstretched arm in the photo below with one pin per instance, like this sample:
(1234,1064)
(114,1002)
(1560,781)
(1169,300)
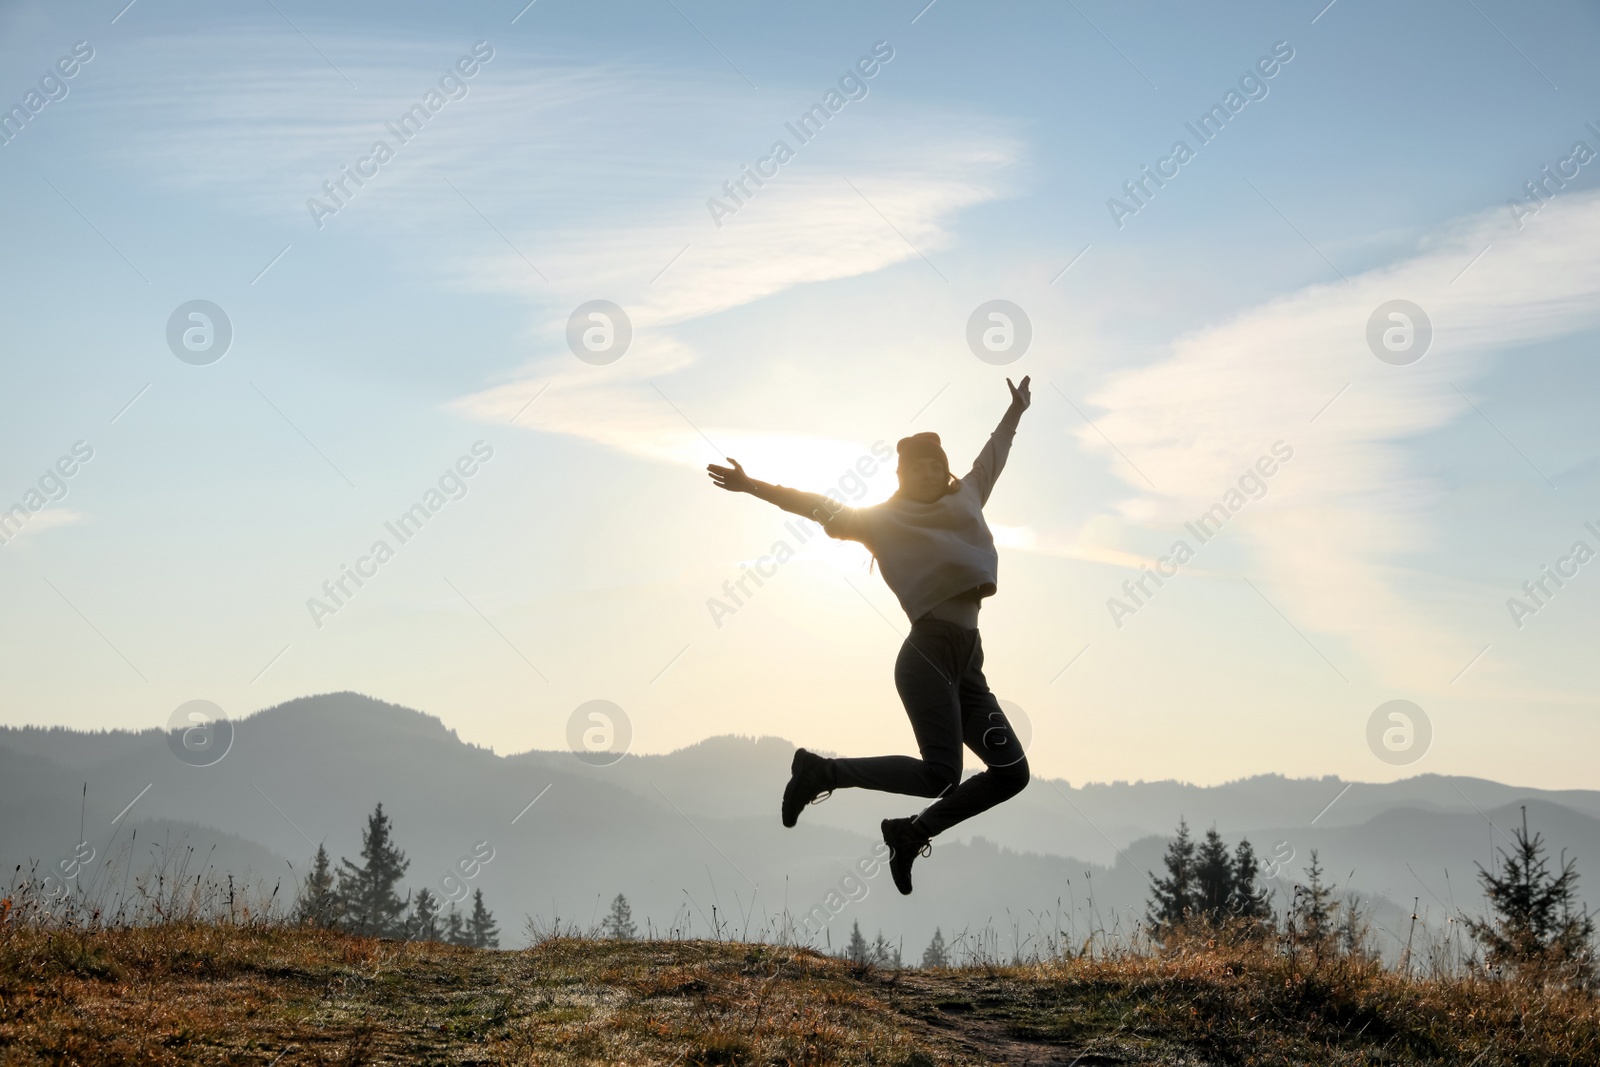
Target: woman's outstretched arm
(813,506)
(992,458)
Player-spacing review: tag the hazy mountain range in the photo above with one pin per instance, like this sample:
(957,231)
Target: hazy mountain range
(693,836)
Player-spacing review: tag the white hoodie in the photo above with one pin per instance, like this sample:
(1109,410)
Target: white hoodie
(931,552)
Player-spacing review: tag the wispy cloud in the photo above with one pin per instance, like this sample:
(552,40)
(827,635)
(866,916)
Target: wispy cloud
(809,228)
(809,231)
(598,172)
(622,407)
(1337,518)
(47,519)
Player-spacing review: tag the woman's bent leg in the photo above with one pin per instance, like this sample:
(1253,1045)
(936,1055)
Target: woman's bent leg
(925,674)
(989,734)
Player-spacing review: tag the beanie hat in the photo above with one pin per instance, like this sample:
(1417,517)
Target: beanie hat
(922,446)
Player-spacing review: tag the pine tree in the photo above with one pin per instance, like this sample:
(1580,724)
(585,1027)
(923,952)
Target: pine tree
(883,954)
(1314,909)
(1213,878)
(1538,929)
(1174,896)
(856,951)
(423,923)
(481,930)
(619,924)
(1246,900)
(318,904)
(455,931)
(1353,930)
(935,955)
(367,892)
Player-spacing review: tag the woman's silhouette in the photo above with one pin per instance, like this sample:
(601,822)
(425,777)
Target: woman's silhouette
(937,556)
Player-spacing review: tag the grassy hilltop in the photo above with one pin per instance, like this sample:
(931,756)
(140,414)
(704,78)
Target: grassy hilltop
(225,994)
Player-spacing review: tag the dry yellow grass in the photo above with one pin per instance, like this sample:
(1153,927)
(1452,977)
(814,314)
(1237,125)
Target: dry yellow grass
(216,993)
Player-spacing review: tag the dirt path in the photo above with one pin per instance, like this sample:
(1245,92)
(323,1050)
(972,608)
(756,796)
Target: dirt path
(988,1019)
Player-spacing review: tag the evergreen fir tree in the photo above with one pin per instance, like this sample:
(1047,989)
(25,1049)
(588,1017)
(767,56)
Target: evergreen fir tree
(423,923)
(1538,929)
(455,931)
(1213,878)
(318,904)
(367,894)
(1174,896)
(481,930)
(857,951)
(1314,909)
(936,955)
(1352,929)
(883,954)
(619,924)
(1247,901)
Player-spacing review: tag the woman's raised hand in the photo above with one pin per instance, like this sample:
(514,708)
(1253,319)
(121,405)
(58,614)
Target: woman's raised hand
(1020,396)
(733,478)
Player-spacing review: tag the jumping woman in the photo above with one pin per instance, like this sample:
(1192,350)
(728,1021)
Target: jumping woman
(938,558)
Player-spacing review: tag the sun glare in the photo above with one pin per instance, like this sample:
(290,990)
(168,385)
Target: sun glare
(858,473)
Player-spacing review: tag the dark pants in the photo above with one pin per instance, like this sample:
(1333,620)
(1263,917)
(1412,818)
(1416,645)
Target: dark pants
(939,674)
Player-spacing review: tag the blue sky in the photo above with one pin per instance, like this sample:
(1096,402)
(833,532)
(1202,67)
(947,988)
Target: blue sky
(430,312)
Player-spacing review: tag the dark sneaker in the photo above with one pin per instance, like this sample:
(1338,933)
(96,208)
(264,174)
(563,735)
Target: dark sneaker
(906,842)
(810,780)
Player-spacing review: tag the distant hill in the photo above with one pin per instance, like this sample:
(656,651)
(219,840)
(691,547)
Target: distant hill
(693,837)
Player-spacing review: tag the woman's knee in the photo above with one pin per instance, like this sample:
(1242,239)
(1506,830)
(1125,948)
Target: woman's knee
(1013,777)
